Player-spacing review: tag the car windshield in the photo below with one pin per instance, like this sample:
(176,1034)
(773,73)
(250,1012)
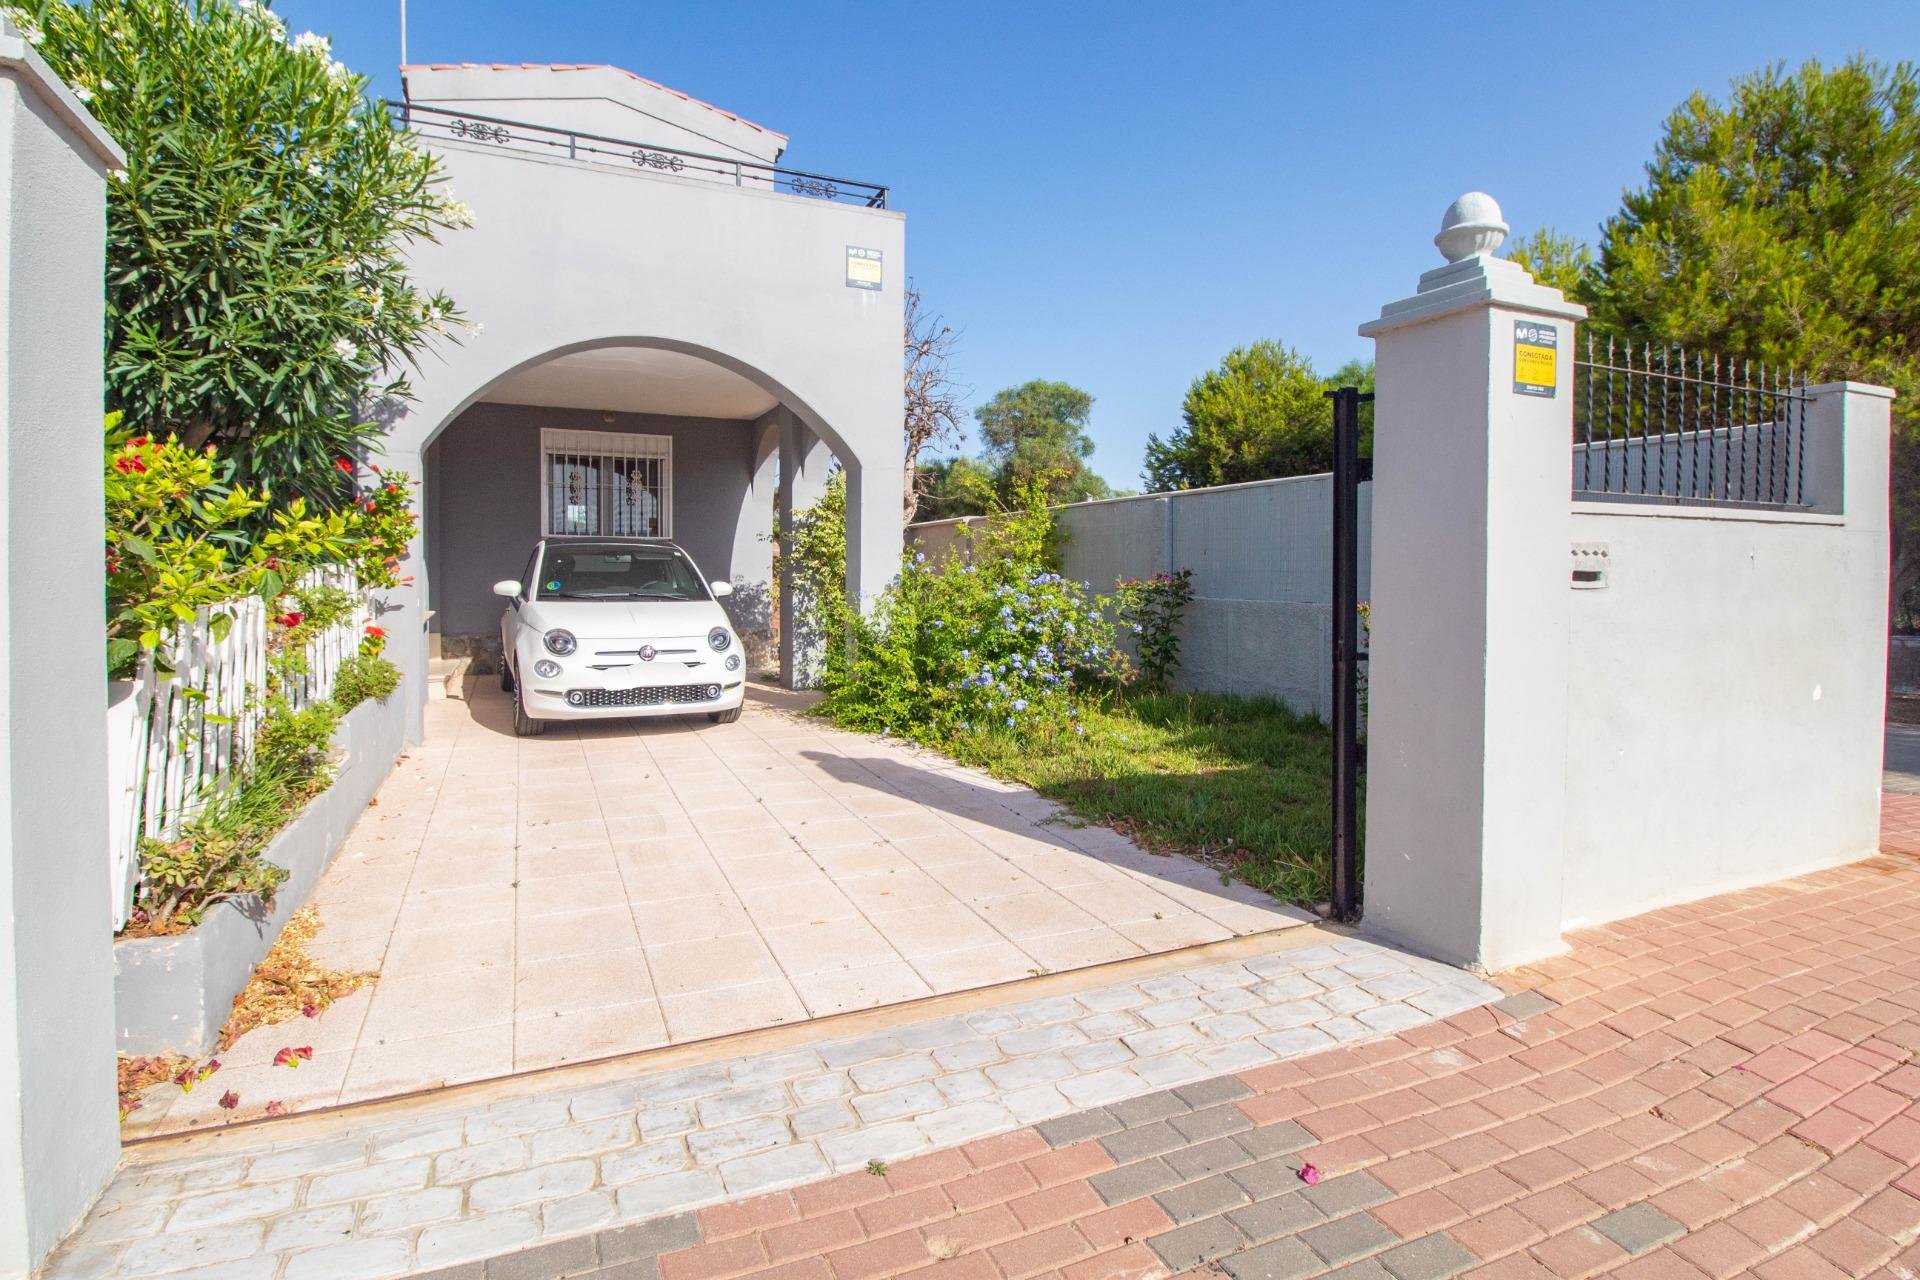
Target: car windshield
(575,571)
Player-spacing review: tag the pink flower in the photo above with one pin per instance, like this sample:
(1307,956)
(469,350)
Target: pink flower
(276,1108)
(1309,1174)
(229,1100)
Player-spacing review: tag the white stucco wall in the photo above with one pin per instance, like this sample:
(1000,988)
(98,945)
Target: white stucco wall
(569,256)
(59,1133)
(1726,690)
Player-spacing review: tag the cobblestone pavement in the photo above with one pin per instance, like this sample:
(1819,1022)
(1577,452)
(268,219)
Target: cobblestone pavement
(613,887)
(1719,1089)
(432,1190)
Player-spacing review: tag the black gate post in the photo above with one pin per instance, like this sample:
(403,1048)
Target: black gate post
(1346,652)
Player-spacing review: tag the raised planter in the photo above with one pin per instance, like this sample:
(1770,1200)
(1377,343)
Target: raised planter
(174,994)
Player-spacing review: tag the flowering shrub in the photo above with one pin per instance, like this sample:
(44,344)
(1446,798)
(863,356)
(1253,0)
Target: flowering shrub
(990,638)
(1150,608)
(179,538)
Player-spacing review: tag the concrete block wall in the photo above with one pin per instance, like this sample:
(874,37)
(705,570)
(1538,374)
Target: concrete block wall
(1261,555)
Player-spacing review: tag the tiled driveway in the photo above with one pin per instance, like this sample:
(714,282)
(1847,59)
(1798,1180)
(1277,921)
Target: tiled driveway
(618,887)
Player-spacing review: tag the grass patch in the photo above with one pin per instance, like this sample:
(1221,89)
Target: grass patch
(1242,784)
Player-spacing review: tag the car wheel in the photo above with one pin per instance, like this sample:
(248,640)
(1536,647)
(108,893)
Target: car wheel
(506,676)
(524,725)
(724,717)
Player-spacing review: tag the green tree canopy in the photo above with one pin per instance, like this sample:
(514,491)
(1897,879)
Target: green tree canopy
(257,296)
(954,487)
(1782,225)
(1262,413)
(1038,431)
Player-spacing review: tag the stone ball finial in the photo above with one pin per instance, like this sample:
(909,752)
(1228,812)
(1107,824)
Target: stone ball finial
(1471,227)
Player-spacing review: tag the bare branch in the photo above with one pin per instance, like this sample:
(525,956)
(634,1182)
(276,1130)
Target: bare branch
(932,398)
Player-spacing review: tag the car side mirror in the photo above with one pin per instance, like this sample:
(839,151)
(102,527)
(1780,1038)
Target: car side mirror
(506,587)
(721,589)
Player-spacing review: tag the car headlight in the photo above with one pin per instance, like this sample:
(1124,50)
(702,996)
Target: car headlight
(561,642)
(718,639)
(546,668)
(733,662)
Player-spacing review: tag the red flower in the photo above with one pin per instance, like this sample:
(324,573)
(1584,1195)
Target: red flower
(345,464)
(378,633)
(138,442)
(309,1010)
(128,466)
(292,1057)
(229,1100)
(289,620)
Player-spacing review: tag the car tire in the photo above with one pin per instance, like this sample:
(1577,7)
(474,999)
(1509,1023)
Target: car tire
(724,717)
(506,676)
(524,725)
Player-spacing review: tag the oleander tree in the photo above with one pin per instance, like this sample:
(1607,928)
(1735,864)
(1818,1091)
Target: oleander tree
(258,298)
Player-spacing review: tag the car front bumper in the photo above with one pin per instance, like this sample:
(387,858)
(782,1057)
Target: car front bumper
(571,700)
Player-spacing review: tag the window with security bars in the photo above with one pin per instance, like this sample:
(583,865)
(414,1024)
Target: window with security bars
(604,484)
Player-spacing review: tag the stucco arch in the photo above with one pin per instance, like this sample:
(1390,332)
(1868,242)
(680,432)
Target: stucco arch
(405,441)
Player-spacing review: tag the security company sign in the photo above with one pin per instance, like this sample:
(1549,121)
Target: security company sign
(1536,351)
(863,268)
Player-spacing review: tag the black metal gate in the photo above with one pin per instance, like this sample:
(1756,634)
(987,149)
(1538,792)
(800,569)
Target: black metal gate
(1349,469)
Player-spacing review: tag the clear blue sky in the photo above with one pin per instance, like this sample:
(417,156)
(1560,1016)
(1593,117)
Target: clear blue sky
(1115,194)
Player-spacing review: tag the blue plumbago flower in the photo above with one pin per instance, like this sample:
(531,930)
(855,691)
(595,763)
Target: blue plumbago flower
(1069,628)
(966,653)
(919,557)
(1019,704)
(1137,628)
(1080,729)
(941,622)
(967,569)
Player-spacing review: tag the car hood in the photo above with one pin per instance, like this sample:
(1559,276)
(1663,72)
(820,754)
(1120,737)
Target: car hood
(626,619)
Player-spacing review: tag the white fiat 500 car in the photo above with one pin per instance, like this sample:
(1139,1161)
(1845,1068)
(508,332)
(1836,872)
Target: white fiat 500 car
(601,629)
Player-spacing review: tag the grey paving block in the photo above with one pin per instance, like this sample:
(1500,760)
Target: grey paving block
(1208,1158)
(1201,1199)
(647,1239)
(1274,1176)
(1347,1193)
(1130,1182)
(634,1269)
(1433,1257)
(1274,1139)
(1207,1093)
(1066,1130)
(1365,1269)
(1199,1242)
(574,1257)
(1638,1228)
(1279,1216)
(1148,1107)
(1214,1122)
(465,1271)
(1145,1140)
(1344,1239)
(1525,1004)
(1280,1260)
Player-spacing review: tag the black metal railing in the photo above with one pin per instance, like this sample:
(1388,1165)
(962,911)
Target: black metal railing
(544,140)
(1654,423)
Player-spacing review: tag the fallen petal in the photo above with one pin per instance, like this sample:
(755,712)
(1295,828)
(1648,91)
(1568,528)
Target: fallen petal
(229,1100)
(1309,1174)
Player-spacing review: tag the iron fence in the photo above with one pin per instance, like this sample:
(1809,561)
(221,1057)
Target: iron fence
(543,140)
(1654,423)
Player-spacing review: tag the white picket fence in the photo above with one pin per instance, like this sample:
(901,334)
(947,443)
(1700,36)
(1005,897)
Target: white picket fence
(173,739)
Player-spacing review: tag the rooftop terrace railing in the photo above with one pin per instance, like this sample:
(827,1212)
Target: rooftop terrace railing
(524,138)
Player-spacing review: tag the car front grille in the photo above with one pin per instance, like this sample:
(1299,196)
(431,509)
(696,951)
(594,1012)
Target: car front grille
(658,695)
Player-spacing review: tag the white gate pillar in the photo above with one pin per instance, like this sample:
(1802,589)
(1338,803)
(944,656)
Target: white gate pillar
(59,1128)
(1467,681)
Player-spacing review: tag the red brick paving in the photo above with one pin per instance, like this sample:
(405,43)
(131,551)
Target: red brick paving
(1749,1064)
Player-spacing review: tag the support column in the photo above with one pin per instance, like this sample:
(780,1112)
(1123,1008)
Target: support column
(59,1130)
(402,610)
(876,531)
(804,463)
(1467,683)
